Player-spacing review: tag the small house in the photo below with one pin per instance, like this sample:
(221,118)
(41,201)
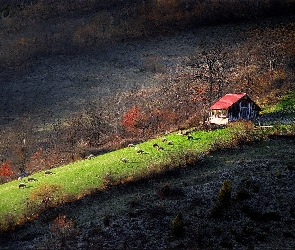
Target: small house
(233,107)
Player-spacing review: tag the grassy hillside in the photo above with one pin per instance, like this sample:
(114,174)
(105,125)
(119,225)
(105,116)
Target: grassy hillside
(72,181)
(286,104)
(165,76)
(85,202)
(140,215)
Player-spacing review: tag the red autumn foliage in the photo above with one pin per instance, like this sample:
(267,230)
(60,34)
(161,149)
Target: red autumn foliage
(131,118)
(5,169)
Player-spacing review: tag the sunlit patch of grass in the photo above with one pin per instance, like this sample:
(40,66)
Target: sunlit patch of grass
(286,103)
(82,177)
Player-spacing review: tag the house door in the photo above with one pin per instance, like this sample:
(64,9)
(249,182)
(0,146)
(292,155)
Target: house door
(244,110)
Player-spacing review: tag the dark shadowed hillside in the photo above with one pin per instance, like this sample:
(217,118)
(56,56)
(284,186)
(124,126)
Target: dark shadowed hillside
(57,56)
(32,29)
(57,85)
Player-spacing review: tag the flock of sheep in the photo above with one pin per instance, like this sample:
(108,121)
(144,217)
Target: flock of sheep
(140,151)
(155,145)
(31,179)
(125,160)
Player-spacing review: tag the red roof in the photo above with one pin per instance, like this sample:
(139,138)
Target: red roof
(226,101)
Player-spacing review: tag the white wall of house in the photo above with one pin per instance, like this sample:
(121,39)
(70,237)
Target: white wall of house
(219,116)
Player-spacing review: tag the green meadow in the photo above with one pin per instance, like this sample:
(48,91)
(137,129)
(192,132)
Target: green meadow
(72,181)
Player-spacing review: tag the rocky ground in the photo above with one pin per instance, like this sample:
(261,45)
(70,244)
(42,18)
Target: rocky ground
(260,215)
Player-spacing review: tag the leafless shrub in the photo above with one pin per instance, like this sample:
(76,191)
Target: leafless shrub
(167,191)
(106,220)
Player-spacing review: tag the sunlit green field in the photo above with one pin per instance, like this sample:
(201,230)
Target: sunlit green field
(84,176)
(286,103)
(72,181)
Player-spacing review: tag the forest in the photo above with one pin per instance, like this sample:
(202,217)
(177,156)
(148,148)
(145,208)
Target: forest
(250,49)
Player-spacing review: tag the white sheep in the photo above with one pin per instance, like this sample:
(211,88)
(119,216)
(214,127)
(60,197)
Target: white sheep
(131,145)
(179,132)
(124,160)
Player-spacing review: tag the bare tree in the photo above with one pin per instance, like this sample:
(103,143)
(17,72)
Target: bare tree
(212,65)
(86,129)
(22,141)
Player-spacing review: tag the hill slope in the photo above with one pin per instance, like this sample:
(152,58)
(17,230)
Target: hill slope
(139,215)
(59,85)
